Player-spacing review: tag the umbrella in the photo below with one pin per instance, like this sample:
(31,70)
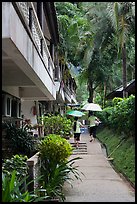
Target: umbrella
(92,107)
(75,113)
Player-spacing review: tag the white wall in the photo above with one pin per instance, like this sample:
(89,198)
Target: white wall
(23,52)
(26,110)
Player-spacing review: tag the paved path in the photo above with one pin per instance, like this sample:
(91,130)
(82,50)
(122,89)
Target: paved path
(101,183)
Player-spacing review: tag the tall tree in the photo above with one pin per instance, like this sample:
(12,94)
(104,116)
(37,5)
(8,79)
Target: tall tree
(89,38)
(122,16)
(102,29)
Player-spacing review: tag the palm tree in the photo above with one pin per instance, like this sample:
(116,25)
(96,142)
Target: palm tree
(88,39)
(122,16)
(102,35)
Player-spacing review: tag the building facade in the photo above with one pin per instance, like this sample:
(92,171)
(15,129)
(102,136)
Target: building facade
(33,79)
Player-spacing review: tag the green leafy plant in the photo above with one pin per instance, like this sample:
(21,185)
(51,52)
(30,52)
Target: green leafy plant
(54,150)
(57,125)
(20,140)
(123,116)
(123,156)
(16,162)
(104,115)
(11,191)
(19,164)
(120,116)
(55,167)
(59,176)
(116,100)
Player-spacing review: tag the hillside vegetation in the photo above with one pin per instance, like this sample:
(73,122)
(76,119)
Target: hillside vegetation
(123,155)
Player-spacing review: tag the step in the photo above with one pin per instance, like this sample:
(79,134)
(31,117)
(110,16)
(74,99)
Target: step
(82,149)
(77,153)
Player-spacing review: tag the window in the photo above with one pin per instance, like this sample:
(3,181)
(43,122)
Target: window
(8,106)
(14,108)
(11,106)
(19,110)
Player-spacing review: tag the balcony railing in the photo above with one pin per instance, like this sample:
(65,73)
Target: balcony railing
(30,19)
(67,91)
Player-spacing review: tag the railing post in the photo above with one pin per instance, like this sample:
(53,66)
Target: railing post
(33,172)
(31,176)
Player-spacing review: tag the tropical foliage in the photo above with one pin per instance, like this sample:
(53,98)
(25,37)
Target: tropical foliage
(59,125)
(16,162)
(122,150)
(12,190)
(121,116)
(55,167)
(20,140)
(92,35)
(54,149)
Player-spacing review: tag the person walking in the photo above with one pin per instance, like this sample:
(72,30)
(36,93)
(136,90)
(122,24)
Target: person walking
(93,123)
(76,128)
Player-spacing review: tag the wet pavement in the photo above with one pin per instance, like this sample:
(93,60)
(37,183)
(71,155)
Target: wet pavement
(100,182)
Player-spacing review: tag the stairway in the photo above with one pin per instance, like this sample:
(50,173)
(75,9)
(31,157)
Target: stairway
(82,149)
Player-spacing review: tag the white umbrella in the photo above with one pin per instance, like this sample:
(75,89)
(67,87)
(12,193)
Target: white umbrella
(92,107)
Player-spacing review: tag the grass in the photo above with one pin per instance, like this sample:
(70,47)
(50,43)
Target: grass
(123,156)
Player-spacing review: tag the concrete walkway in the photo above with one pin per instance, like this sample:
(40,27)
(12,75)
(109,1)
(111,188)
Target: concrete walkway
(101,183)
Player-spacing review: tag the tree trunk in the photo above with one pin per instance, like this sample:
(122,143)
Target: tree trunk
(105,91)
(90,89)
(124,70)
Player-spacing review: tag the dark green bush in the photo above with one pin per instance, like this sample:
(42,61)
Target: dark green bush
(18,163)
(20,140)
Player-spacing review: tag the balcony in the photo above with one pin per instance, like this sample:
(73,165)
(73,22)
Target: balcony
(26,62)
(70,90)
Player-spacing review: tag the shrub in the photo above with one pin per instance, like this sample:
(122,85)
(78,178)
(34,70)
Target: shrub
(60,175)
(120,116)
(54,149)
(55,168)
(20,140)
(57,125)
(18,163)
(116,100)
(123,117)
(104,115)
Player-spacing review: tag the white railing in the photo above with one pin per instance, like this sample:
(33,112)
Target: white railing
(27,10)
